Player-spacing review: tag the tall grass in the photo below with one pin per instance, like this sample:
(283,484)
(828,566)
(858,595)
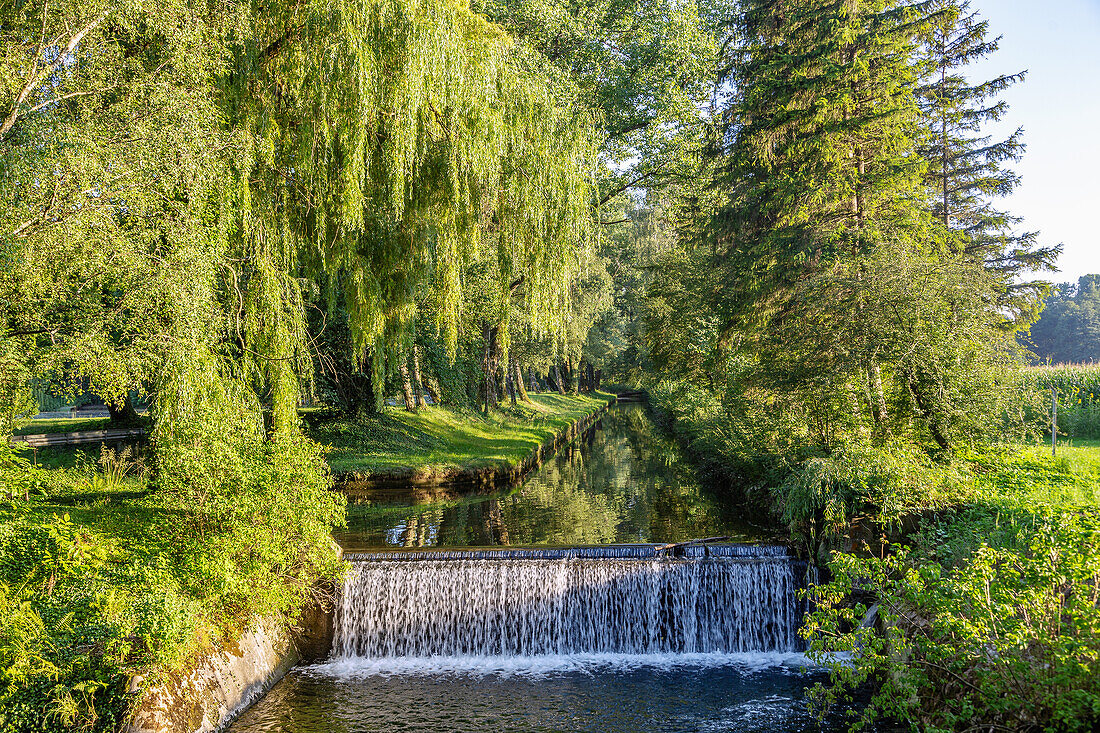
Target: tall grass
(1078,389)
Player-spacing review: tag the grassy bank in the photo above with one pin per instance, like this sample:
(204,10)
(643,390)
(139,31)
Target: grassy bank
(108,570)
(988,616)
(440,441)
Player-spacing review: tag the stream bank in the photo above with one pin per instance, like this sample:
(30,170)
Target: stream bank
(233,674)
(439,447)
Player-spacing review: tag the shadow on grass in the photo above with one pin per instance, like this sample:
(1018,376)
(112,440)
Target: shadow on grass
(441,438)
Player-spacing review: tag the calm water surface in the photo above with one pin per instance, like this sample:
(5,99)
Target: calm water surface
(623,481)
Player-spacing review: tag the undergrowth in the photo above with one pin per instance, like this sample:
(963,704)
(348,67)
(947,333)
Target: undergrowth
(108,571)
(965,585)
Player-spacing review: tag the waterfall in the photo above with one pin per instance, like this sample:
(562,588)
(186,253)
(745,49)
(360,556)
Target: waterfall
(616,599)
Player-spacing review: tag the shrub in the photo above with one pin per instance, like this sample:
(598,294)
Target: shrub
(989,635)
(235,528)
(63,647)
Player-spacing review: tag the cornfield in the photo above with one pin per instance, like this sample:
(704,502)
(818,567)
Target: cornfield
(1078,388)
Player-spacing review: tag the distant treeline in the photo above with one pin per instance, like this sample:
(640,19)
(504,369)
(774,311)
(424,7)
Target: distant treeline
(1068,331)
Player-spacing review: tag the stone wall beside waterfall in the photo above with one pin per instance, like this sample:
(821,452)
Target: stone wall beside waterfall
(231,676)
(221,684)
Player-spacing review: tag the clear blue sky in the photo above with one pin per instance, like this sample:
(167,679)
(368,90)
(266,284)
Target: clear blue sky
(1058,42)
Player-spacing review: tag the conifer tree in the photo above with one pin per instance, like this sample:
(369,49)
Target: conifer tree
(966,168)
(823,208)
(816,163)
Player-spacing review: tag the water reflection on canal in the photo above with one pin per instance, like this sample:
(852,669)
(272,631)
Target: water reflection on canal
(622,481)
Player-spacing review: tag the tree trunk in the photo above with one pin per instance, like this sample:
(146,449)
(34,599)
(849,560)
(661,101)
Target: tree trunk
(123,414)
(418,382)
(489,365)
(406,386)
(432,386)
(599,376)
(355,390)
(517,378)
(590,379)
(485,365)
(557,380)
(878,404)
(533,382)
(926,412)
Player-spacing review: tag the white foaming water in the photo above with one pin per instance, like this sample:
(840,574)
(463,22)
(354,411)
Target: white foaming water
(542,665)
(520,614)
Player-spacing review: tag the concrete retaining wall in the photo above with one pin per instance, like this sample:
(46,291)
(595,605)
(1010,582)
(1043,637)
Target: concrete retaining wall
(231,677)
(219,686)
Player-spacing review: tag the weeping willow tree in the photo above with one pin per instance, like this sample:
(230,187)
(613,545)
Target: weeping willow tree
(180,184)
(200,178)
(380,147)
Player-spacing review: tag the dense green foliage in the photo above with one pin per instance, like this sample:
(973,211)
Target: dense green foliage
(779,216)
(818,296)
(1068,330)
(191,196)
(987,618)
(834,330)
(102,577)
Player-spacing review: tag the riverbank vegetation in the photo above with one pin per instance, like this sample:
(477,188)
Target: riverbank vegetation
(229,212)
(987,614)
(835,326)
(781,219)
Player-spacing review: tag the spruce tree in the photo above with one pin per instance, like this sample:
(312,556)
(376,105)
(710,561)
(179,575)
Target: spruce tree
(845,315)
(967,169)
(816,158)
(818,169)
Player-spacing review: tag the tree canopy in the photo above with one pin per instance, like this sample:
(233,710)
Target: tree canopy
(1068,330)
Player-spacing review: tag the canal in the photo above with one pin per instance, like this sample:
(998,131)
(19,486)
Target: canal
(614,644)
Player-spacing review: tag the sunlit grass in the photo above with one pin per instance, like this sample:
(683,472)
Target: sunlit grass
(1033,478)
(63,425)
(438,439)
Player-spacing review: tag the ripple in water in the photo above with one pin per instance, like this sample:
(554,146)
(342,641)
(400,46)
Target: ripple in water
(764,693)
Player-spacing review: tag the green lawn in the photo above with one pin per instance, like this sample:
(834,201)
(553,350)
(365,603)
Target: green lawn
(1031,477)
(69,425)
(63,425)
(439,440)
